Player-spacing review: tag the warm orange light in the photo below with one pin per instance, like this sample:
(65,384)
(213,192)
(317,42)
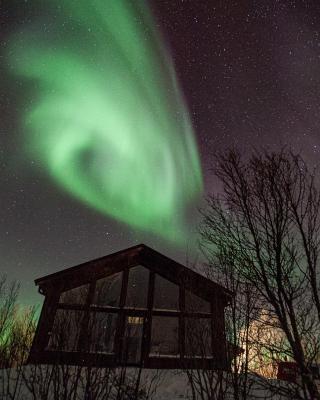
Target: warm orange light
(135,320)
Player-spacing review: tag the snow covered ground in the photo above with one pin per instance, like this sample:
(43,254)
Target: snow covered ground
(72,383)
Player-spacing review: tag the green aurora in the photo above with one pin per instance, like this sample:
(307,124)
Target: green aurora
(105,117)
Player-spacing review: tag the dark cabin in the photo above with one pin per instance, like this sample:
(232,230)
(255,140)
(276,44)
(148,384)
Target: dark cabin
(135,307)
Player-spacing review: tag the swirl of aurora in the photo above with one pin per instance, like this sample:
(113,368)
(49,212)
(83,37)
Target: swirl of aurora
(106,117)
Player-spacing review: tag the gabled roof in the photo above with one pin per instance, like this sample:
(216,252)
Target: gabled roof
(136,255)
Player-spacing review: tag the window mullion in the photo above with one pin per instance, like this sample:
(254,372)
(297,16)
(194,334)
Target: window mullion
(182,321)
(118,343)
(84,338)
(148,322)
(47,319)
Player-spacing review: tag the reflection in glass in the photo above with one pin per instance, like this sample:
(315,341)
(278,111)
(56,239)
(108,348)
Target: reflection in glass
(164,336)
(66,330)
(196,304)
(131,352)
(198,337)
(102,328)
(166,294)
(107,291)
(77,295)
(137,291)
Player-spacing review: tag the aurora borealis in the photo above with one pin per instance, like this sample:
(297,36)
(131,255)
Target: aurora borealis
(107,119)
(249,72)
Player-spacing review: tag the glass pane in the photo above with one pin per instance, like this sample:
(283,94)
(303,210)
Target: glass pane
(76,295)
(164,336)
(66,330)
(133,340)
(108,289)
(137,292)
(196,304)
(102,328)
(198,337)
(166,294)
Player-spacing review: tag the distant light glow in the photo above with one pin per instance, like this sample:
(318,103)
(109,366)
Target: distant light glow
(105,116)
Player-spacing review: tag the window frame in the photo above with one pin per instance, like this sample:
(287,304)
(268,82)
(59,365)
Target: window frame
(123,311)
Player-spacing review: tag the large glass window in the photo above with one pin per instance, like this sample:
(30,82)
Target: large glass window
(195,303)
(77,295)
(102,328)
(137,292)
(66,330)
(107,291)
(99,326)
(198,336)
(164,336)
(166,294)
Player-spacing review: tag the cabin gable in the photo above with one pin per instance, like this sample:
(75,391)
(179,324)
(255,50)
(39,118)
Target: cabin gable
(136,308)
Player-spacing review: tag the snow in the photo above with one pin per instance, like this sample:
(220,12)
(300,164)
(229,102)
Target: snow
(33,382)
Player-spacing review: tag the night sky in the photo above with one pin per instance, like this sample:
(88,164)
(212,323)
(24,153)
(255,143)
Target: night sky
(250,73)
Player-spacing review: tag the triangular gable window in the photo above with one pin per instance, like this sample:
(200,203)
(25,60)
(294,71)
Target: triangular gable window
(137,291)
(166,294)
(77,295)
(107,291)
(195,303)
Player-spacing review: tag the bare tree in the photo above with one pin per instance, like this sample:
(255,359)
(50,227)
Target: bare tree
(238,319)
(8,308)
(205,381)
(60,380)
(265,225)
(234,382)
(17,327)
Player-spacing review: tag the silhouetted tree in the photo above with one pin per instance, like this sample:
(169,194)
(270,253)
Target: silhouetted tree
(265,226)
